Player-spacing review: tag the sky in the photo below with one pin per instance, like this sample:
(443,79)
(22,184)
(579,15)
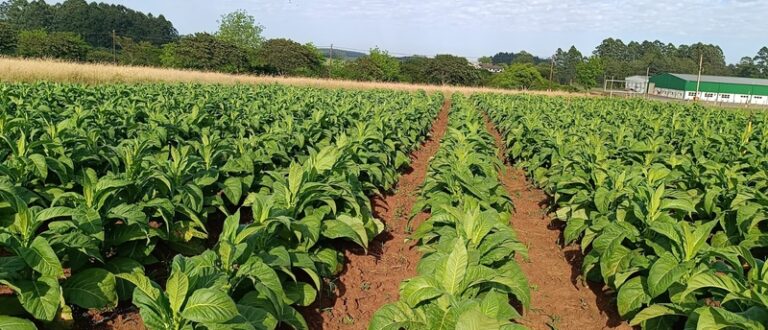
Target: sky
(474,28)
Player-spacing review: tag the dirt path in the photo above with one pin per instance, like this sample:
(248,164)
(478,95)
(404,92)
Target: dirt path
(371,280)
(559,299)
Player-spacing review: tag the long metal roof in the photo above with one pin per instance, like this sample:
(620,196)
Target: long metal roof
(723,80)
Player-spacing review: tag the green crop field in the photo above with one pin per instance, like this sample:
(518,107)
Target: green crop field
(667,201)
(99,185)
(239,207)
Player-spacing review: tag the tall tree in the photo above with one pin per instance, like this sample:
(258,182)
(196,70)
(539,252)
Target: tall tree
(8,38)
(452,70)
(39,43)
(388,65)
(524,57)
(761,62)
(240,28)
(565,63)
(378,65)
(503,58)
(415,69)
(93,21)
(588,72)
(203,51)
(518,76)
(287,57)
(26,15)
(747,68)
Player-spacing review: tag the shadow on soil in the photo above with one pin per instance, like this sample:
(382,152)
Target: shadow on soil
(605,299)
(333,289)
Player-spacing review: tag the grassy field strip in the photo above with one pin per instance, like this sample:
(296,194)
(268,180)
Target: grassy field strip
(33,70)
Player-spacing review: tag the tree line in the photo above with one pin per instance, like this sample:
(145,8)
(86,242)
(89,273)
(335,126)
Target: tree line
(97,32)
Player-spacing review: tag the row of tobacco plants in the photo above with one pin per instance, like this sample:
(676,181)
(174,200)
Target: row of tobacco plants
(668,201)
(204,206)
(467,274)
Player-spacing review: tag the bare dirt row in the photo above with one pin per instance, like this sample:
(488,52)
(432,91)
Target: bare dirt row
(559,298)
(371,280)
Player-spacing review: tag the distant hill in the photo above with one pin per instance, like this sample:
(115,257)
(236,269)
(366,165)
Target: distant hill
(339,54)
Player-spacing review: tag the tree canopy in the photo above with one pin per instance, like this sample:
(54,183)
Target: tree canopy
(240,28)
(287,57)
(203,51)
(518,76)
(452,70)
(93,21)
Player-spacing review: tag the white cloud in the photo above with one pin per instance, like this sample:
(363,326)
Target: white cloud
(477,27)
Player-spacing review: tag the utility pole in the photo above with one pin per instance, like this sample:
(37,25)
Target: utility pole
(551,72)
(114,48)
(698,78)
(647,80)
(330,66)
(612,77)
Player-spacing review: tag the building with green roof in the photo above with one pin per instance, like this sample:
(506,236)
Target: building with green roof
(711,88)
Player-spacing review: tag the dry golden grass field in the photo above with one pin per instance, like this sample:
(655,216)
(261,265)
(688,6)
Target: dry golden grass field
(29,70)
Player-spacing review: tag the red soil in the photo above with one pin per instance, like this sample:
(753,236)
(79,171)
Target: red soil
(560,300)
(370,280)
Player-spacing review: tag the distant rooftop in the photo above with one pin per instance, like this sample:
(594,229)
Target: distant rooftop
(724,80)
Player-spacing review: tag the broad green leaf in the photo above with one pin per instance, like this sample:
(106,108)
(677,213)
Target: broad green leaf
(709,280)
(632,296)
(209,306)
(293,318)
(663,273)
(602,200)
(54,212)
(176,288)
(474,319)
(455,268)
(654,311)
(14,323)
(300,293)
(142,283)
(120,265)
(261,273)
(573,229)
(346,227)
(259,318)
(233,189)
(720,318)
(40,297)
(40,256)
(41,167)
(496,305)
(91,288)
(395,316)
(418,289)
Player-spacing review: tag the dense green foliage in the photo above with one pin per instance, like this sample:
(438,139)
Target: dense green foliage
(376,66)
(234,196)
(65,45)
(634,58)
(240,28)
(203,51)
(467,274)
(667,201)
(93,21)
(519,76)
(287,57)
